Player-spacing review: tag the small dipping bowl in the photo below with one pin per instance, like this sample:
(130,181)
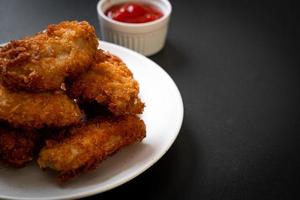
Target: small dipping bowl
(146,38)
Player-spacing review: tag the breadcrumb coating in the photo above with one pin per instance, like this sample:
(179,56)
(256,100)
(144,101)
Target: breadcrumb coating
(89,144)
(43,61)
(110,83)
(17,147)
(37,110)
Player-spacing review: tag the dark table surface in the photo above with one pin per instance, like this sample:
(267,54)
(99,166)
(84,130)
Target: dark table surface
(236,64)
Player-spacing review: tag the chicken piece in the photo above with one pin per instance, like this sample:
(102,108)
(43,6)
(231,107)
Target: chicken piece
(43,61)
(17,147)
(36,110)
(111,84)
(89,144)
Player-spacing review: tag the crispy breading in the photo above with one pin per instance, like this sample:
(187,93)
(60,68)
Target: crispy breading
(43,61)
(17,147)
(36,110)
(89,144)
(111,84)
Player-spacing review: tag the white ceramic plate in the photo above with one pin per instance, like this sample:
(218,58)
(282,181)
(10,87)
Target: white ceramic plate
(163,117)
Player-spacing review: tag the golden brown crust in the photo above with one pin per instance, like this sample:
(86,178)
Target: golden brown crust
(36,73)
(89,144)
(43,61)
(17,147)
(36,110)
(111,84)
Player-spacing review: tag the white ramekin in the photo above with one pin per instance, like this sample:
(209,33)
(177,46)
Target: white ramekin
(145,38)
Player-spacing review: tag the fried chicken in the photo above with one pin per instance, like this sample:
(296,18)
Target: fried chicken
(17,147)
(40,76)
(43,61)
(36,110)
(89,144)
(110,83)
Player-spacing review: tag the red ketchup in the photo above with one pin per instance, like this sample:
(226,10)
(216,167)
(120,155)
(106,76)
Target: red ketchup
(132,12)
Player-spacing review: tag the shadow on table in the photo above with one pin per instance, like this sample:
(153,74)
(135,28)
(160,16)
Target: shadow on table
(171,175)
(170,56)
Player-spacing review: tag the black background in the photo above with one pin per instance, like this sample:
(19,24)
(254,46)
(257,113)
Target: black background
(236,64)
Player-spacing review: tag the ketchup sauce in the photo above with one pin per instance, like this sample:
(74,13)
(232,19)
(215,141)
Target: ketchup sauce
(133,12)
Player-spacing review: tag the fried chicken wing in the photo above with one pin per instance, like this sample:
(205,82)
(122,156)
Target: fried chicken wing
(36,110)
(17,147)
(89,144)
(43,61)
(111,84)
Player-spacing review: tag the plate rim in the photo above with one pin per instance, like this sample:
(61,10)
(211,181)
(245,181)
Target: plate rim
(156,158)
